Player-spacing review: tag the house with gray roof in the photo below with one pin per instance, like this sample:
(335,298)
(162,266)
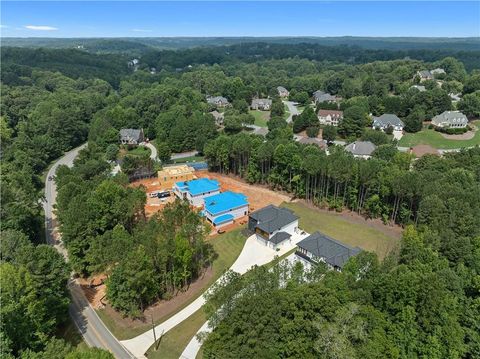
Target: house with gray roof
(318,247)
(282,91)
(388,120)
(218,101)
(313,141)
(450,119)
(419,88)
(263,104)
(320,96)
(273,226)
(437,71)
(361,149)
(424,75)
(130,136)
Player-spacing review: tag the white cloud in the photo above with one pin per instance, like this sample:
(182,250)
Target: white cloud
(40,28)
(141,30)
(3,26)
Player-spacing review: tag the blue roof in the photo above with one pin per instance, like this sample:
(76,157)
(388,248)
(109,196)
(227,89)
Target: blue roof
(223,218)
(224,201)
(198,186)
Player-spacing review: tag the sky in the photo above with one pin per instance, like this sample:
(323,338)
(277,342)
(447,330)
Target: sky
(231,18)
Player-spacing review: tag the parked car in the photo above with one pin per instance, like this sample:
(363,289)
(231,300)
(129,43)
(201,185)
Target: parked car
(153,194)
(220,231)
(163,194)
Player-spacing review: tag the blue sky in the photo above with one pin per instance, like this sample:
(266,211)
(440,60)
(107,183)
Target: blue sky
(229,18)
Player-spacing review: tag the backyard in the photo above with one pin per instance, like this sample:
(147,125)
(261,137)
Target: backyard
(261,117)
(437,140)
(134,151)
(351,228)
(228,247)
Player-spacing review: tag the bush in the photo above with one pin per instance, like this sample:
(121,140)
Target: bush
(313,131)
(451,131)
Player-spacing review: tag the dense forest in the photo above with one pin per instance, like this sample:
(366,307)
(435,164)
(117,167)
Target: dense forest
(56,99)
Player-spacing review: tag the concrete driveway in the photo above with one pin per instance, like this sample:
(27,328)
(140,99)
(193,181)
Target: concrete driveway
(253,253)
(292,108)
(262,255)
(397,135)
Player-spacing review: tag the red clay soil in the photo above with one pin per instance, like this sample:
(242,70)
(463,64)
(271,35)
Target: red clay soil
(153,205)
(94,289)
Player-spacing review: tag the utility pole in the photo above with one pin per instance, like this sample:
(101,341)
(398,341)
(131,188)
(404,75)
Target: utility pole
(153,328)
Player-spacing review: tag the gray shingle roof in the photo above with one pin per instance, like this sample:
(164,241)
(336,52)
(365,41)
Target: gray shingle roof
(332,251)
(281,89)
(451,117)
(361,148)
(261,102)
(214,100)
(313,141)
(128,134)
(321,96)
(279,237)
(273,218)
(425,74)
(387,119)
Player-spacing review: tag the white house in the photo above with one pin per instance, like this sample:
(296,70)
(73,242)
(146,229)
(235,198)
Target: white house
(195,191)
(223,208)
(330,117)
(273,226)
(450,119)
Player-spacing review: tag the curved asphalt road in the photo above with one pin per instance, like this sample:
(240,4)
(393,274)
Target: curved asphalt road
(94,332)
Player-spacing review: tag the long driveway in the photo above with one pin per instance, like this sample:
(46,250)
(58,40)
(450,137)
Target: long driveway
(253,253)
(153,151)
(292,109)
(94,332)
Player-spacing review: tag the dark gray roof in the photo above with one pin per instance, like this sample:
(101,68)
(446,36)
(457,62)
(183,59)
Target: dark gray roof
(387,119)
(321,96)
(332,251)
(425,74)
(450,117)
(261,101)
(216,99)
(128,134)
(279,237)
(360,148)
(273,218)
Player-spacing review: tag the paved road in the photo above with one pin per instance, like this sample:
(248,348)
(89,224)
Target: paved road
(253,253)
(94,332)
(292,109)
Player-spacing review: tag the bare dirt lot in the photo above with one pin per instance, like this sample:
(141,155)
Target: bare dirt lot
(258,196)
(153,204)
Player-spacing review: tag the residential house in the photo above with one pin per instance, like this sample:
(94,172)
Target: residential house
(224,208)
(282,91)
(263,104)
(130,136)
(195,191)
(273,226)
(424,75)
(450,119)
(388,120)
(318,247)
(330,117)
(169,175)
(320,96)
(218,116)
(361,149)
(437,71)
(218,101)
(313,141)
(419,88)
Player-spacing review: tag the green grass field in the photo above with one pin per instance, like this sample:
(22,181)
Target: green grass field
(261,117)
(228,247)
(190,159)
(436,140)
(354,234)
(139,151)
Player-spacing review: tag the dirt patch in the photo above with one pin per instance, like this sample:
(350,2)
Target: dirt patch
(94,290)
(161,309)
(153,205)
(353,217)
(258,196)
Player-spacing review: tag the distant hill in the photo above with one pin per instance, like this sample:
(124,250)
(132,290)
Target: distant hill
(137,46)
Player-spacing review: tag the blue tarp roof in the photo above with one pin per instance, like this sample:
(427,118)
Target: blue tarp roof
(223,218)
(224,201)
(198,186)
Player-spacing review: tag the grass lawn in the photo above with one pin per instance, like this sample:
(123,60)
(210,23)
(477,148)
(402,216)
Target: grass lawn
(139,151)
(287,113)
(435,139)
(261,117)
(354,234)
(228,247)
(190,159)
(175,341)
